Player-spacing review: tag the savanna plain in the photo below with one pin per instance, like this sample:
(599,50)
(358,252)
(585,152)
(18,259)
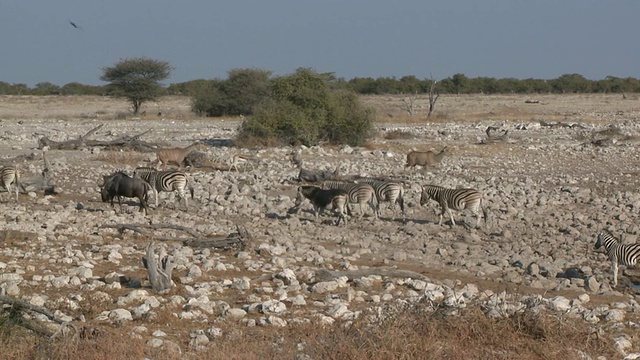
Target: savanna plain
(527,283)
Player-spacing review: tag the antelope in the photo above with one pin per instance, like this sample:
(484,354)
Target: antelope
(424,158)
(241,158)
(176,156)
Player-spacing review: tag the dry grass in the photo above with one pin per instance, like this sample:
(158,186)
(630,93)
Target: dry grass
(398,134)
(416,333)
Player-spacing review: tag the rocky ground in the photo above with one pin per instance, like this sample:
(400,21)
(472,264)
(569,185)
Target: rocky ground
(549,189)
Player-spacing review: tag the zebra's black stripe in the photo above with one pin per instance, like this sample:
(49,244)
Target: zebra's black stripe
(454,199)
(356,193)
(169,180)
(618,253)
(387,191)
(9,179)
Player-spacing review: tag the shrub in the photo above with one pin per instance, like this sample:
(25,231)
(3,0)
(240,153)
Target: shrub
(237,95)
(303,109)
(208,100)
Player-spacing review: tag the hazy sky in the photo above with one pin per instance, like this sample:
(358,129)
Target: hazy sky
(205,39)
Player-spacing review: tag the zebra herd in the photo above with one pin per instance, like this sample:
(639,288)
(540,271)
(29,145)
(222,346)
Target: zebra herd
(375,192)
(363,192)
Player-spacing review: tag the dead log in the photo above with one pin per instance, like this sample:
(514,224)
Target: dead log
(561,124)
(18,159)
(494,134)
(328,275)
(234,241)
(69,144)
(126,142)
(159,270)
(19,305)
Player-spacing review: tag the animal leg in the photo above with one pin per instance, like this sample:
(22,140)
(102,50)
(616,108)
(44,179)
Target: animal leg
(451,216)
(615,273)
(477,212)
(444,209)
(315,212)
(404,214)
(182,195)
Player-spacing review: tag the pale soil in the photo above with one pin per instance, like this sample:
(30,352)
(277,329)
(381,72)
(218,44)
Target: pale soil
(543,158)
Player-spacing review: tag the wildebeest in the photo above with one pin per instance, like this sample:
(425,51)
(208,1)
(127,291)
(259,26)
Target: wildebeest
(121,184)
(321,198)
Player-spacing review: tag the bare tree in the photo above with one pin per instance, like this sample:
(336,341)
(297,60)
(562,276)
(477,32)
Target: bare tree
(409,104)
(433,97)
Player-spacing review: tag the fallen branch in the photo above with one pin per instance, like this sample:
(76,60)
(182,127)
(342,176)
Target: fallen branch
(327,275)
(561,124)
(494,134)
(18,305)
(237,241)
(124,142)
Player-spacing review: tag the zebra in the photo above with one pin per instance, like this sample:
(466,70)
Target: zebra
(169,180)
(356,193)
(10,177)
(390,191)
(618,253)
(456,199)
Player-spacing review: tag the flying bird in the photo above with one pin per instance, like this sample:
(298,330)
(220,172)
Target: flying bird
(74,25)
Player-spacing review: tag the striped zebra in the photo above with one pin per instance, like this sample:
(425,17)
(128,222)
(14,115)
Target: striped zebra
(456,199)
(169,180)
(9,178)
(356,193)
(387,191)
(618,253)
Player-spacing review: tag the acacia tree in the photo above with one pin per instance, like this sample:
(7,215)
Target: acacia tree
(137,79)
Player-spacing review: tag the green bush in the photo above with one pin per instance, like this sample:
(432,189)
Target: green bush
(303,109)
(208,99)
(237,95)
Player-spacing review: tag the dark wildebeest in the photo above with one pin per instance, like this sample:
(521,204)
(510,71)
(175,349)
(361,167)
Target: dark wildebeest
(321,198)
(121,184)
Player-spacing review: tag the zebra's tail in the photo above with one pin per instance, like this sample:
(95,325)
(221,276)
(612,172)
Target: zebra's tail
(485,213)
(19,184)
(191,190)
(375,205)
(401,201)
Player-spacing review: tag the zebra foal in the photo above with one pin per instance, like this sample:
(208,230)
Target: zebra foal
(454,199)
(618,253)
(356,194)
(387,191)
(169,180)
(10,178)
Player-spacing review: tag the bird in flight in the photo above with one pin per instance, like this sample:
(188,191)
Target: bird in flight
(74,25)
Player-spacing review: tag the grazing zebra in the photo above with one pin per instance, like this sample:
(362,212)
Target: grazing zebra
(618,253)
(169,180)
(356,193)
(456,199)
(10,177)
(389,191)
